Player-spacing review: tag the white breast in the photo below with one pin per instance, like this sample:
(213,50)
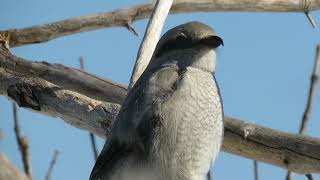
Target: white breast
(189,137)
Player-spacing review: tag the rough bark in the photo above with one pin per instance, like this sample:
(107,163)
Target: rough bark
(67,78)
(297,153)
(124,17)
(9,171)
(44,97)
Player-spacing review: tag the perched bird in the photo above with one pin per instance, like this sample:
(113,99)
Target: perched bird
(170,125)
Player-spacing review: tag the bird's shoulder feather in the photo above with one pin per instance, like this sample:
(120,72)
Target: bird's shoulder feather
(137,118)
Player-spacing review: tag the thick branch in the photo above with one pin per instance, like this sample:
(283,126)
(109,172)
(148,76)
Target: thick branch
(150,39)
(311,97)
(123,17)
(47,98)
(67,78)
(294,152)
(9,171)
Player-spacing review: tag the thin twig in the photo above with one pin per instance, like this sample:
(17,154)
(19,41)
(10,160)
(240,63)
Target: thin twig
(52,163)
(1,134)
(92,138)
(311,20)
(81,61)
(22,143)
(256,170)
(312,93)
(94,146)
(131,28)
(150,39)
(306,12)
(311,97)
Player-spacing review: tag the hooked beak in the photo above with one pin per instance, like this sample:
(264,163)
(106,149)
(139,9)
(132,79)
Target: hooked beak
(212,41)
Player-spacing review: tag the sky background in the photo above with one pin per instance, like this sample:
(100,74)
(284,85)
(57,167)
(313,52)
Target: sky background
(263,71)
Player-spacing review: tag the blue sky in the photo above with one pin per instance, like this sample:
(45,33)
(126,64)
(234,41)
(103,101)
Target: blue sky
(263,70)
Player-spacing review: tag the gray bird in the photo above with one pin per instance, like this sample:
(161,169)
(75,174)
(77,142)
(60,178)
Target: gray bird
(170,125)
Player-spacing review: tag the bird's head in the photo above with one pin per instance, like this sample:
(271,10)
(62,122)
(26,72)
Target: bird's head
(192,44)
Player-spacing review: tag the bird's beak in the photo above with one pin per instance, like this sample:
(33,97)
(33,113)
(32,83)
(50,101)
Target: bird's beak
(212,41)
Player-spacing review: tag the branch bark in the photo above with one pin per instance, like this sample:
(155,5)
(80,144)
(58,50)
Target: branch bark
(44,97)
(67,78)
(312,92)
(311,97)
(9,171)
(92,138)
(124,17)
(150,39)
(297,153)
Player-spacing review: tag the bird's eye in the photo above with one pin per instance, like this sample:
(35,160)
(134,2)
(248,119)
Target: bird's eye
(183,38)
(183,41)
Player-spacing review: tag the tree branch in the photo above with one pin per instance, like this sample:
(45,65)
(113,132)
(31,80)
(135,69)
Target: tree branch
(92,138)
(52,163)
(22,142)
(67,78)
(46,98)
(150,39)
(125,16)
(9,171)
(297,153)
(312,94)
(255,170)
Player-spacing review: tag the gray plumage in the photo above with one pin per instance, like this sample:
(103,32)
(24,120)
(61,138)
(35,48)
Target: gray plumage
(170,125)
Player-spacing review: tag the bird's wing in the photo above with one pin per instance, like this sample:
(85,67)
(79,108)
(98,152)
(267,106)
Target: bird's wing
(133,129)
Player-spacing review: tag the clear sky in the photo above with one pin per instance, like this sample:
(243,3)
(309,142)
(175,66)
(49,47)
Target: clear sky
(263,70)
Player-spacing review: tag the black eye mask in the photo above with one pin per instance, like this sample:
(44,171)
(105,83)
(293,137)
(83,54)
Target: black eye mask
(184,42)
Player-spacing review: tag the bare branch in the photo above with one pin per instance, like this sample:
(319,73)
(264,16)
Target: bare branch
(310,19)
(92,139)
(22,142)
(131,28)
(307,13)
(52,163)
(121,17)
(1,134)
(294,152)
(312,92)
(67,78)
(9,171)
(94,146)
(271,146)
(256,170)
(150,39)
(46,98)
(311,97)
